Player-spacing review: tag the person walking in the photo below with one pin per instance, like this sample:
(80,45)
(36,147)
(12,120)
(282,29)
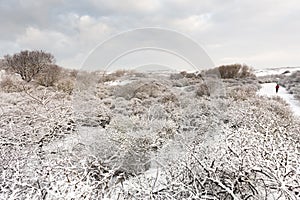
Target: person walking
(277,88)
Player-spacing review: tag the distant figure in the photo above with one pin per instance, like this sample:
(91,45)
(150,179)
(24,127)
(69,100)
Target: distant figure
(277,87)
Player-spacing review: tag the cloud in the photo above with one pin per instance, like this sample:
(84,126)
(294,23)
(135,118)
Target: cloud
(278,57)
(127,6)
(88,32)
(193,23)
(35,38)
(230,30)
(17,15)
(90,29)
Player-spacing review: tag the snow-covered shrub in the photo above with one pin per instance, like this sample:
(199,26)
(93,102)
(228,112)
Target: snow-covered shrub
(148,90)
(241,89)
(168,145)
(73,73)
(126,91)
(251,155)
(8,84)
(176,76)
(181,82)
(202,90)
(107,78)
(49,75)
(91,112)
(119,73)
(189,75)
(65,85)
(291,83)
(271,78)
(134,151)
(242,92)
(295,74)
(28,127)
(141,89)
(169,98)
(234,71)
(104,91)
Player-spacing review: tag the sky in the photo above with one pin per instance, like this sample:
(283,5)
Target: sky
(259,33)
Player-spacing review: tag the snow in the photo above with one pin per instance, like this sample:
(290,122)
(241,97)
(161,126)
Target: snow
(268,89)
(118,82)
(88,163)
(154,175)
(2,73)
(276,71)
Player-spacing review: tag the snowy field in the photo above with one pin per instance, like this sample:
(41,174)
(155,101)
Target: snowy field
(276,71)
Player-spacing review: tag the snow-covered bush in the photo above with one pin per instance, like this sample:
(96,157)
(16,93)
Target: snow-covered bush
(181,82)
(8,84)
(242,92)
(291,83)
(234,71)
(49,76)
(65,85)
(176,76)
(164,143)
(126,91)
(202,90)
(29,123)
(238,160)
(149,90)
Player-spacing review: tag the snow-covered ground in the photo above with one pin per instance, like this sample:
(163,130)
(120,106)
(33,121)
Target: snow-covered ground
(118,82)
(2,74)
(268,89)
(275,71)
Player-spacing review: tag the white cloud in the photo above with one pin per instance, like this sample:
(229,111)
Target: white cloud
(92,30)
(35,38)
(264,59)
(231,30)
(193,23)
(128,6)
(66,46)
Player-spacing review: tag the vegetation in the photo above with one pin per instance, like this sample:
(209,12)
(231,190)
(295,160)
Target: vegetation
(33,69)
(28,64)
(292,83)
(145,137)
(49,75)
(233,71)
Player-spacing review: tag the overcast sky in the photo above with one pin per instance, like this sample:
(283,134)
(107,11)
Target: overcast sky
(260,33)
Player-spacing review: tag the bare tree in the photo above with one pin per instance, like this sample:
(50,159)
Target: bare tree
(28,63)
